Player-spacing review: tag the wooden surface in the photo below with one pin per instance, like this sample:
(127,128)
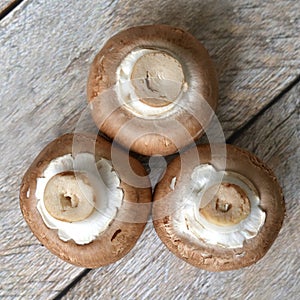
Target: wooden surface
(45,51)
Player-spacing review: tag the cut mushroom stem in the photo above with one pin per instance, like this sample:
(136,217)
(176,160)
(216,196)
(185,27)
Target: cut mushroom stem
(157,78)
(68,201)
(150,81)
(229,204)
(223,207)
(69,196)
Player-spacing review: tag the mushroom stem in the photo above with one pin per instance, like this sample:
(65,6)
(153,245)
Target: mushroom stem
(69,196)
(223,207)
(228,205)
(68,201)
(150,81)
(157,78)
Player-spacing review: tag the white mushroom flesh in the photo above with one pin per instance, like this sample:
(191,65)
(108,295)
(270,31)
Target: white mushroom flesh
(150,82)
(189,221)
(108,200)
(172,184)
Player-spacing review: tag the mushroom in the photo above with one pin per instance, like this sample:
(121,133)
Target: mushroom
(221,214)
(152,89)
(80,205)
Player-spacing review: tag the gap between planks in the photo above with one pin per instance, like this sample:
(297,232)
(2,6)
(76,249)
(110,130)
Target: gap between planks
(277,98)
(9,8)
(72,284)
(230,139)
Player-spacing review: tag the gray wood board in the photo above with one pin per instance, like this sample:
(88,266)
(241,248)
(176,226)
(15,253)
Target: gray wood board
(150,271)
(46,49)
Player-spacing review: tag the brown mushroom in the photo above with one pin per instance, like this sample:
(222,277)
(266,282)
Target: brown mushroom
(64,175)
(153,89)
(220,213)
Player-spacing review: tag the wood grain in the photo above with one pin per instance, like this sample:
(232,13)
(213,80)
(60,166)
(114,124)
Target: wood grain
(46,49)
(150,271)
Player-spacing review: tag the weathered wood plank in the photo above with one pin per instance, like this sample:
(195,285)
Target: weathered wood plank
(151,272)
(46,49)
(33,112)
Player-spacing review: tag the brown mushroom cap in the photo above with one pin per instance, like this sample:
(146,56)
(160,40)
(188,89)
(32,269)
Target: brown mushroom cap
(196,106)
(121,235)
(213,257)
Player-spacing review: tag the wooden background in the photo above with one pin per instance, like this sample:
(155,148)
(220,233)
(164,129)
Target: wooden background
(46,48)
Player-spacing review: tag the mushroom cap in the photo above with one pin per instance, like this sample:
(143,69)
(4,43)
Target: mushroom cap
(214,257)
(123,232)
(158,136)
